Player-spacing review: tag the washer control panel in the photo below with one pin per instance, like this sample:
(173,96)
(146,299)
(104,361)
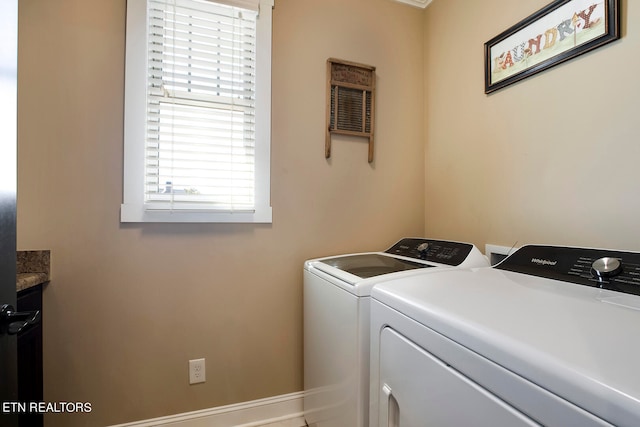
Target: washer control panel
(440,251)
(613,270)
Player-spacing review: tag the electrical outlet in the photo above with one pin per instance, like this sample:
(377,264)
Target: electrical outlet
(196,371)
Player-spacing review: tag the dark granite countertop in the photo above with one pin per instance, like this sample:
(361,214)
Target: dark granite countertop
(32,268)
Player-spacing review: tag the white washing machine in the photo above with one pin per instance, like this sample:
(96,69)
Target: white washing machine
(547,337)
(336,321)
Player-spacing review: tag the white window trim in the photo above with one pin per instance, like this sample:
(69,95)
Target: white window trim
(132,208)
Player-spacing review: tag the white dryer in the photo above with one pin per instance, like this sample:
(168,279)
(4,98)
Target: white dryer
(547,337)
(336,321)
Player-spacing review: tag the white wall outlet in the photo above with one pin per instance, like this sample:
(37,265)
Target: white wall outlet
(196,371)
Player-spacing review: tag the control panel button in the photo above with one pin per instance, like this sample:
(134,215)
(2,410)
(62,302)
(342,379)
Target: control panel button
(606,267)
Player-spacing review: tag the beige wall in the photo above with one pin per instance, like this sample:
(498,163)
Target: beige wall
(552,159)
(130,304)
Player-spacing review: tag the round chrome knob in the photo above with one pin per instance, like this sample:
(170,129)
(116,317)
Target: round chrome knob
(606,267)
(422,250)
(422,247)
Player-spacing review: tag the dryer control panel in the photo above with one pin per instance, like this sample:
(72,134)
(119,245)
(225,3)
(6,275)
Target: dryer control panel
(440,251)
(602,268)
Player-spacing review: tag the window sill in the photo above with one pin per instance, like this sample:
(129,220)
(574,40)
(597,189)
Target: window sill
(137,213)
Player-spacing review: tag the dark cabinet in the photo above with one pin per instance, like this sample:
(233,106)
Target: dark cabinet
(30,358)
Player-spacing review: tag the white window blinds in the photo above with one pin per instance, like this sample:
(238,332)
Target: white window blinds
(200,129)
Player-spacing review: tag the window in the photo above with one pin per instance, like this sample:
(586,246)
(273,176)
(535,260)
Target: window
(197,111)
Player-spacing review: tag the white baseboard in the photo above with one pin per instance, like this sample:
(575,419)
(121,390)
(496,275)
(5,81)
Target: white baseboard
(247,414)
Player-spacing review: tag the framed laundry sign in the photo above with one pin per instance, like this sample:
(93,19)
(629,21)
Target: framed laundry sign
(556,33)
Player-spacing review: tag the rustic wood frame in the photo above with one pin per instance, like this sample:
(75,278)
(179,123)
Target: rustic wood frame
(350,75)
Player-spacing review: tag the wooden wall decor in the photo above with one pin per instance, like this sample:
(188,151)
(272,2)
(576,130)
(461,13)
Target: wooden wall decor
(350,101)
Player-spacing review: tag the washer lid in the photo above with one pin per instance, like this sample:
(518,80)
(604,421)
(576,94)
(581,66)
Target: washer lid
(372,264)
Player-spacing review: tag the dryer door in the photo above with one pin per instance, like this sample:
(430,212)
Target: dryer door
(418,390)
